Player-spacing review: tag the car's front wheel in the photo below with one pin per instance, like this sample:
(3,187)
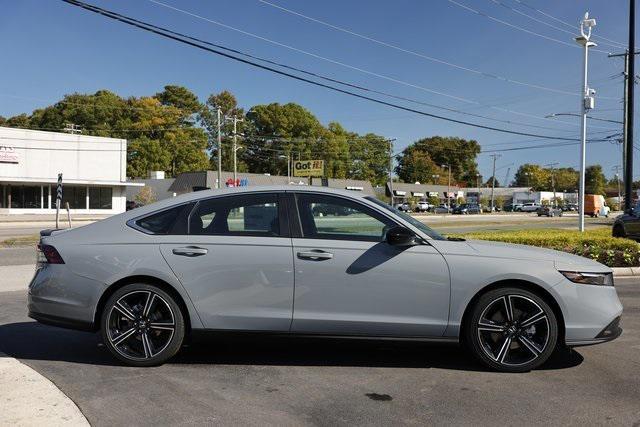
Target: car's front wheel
(511,330)
(142,325)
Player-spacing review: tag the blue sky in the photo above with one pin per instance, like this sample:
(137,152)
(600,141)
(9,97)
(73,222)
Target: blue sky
(51,49)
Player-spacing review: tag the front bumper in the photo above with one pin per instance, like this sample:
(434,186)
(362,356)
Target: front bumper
(609,333)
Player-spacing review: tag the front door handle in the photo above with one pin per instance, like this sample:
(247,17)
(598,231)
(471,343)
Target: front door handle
(190,251)
(315,255)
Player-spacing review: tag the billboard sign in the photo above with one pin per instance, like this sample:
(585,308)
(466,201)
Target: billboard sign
(308,168)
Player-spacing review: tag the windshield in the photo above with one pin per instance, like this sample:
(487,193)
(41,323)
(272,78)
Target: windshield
(411,220)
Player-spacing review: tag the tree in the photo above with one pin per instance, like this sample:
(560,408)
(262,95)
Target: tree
(369,155)
(209,119)
(566,179)
(533,176)
(19,121)
(3,121)
(489,182)
(460,154)
(146,196)
(594,180)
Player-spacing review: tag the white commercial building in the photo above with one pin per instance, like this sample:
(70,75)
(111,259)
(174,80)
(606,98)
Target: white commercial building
(93,172)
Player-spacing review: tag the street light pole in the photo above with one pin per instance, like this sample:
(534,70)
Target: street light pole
(586,104)
(391,168)
(631,78)
(493,178)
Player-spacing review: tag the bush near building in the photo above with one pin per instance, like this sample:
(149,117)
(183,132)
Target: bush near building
(596,243)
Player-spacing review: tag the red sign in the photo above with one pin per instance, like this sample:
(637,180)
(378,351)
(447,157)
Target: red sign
(8,154)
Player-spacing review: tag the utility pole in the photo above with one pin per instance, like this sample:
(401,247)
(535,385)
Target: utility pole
(586,104)
(553,181)
(235,120)
(628,166)
(478,185)
(219,111)
(390,141)
(493,178)
(625,112)
(617,169)
(448,186)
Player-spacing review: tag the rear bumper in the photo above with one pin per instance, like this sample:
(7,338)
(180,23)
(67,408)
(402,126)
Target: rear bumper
(61,322)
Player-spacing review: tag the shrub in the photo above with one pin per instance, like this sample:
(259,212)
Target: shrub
(597,244)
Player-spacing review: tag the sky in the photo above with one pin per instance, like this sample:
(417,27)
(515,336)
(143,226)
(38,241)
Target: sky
(51,49)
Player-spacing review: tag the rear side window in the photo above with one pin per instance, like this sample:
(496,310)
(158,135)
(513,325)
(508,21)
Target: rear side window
(249,215)
(169,221)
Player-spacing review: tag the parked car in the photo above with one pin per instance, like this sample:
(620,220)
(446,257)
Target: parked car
(260,259)
(130,204)
(467,208)
(442,209)
(404,207)
(423,207)
(517,207)
(549,211)
(569,207)
(508,208)
(628,224)
(529,207)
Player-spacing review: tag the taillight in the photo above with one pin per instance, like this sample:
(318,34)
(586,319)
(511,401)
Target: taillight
(50,254)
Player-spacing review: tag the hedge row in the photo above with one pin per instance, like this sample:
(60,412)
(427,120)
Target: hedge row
(597,244)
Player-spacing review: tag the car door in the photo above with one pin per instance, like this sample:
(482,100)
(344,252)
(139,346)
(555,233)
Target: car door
(632,222)
(236,262)
(349,281)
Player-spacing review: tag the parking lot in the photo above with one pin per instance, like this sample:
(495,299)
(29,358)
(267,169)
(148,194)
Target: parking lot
(286,381)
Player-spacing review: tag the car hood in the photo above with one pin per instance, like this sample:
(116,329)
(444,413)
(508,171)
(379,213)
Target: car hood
(562,260)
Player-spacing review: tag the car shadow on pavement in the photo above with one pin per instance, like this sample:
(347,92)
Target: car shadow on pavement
(34,341)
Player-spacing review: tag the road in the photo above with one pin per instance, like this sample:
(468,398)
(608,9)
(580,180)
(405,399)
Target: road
(329,382)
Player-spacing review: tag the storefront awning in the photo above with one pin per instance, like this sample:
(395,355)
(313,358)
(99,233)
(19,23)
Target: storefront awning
(416,194)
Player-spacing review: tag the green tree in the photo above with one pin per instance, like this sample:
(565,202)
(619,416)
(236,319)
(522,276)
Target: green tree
(594,180)
(3,121)
(19,121)
(566,179)
(533,176)
(369,155)
(459,153)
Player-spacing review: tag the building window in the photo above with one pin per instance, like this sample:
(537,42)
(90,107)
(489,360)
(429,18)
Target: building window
(25,197)
(76,196)
(100,197)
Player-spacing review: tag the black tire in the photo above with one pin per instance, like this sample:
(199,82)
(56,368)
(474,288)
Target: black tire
(528,346)
(142,325)
(618,231)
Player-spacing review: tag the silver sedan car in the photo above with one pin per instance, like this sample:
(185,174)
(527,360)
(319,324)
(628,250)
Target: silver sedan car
(313,261)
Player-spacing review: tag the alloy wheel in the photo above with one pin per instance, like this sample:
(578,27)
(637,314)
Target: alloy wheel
(141,324)
(513,330)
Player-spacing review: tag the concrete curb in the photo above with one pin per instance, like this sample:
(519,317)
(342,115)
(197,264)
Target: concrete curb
(626,271)
(30,399)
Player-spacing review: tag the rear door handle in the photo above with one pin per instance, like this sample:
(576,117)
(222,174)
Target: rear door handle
(315,255)
(190,251)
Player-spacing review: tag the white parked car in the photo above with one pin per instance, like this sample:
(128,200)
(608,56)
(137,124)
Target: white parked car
(530,207)
(423,207)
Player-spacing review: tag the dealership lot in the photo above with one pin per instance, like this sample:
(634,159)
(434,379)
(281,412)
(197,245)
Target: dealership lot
(234,380)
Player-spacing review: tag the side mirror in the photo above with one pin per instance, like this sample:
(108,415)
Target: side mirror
(401,236)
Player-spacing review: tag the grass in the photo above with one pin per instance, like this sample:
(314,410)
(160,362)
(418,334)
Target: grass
(597,243)
(20,241)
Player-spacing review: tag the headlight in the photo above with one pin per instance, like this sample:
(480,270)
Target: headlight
(603,279)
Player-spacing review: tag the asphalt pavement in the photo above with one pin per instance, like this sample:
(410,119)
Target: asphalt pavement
(269,381)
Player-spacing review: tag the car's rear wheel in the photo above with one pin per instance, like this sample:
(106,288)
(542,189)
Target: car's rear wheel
(511,330)
(142,325)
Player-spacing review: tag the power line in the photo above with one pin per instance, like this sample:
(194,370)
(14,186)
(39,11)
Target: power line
(163,33)
(561,21)
(342,64)
(418,54)
(540,21)
(516,27)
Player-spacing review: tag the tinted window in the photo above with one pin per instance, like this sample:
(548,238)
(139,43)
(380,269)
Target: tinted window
(100,197)
(169,221)
(328,217)
(250,215)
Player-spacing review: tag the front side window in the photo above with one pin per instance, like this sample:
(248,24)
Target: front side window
(411,220)
(329,217)
(248,215)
